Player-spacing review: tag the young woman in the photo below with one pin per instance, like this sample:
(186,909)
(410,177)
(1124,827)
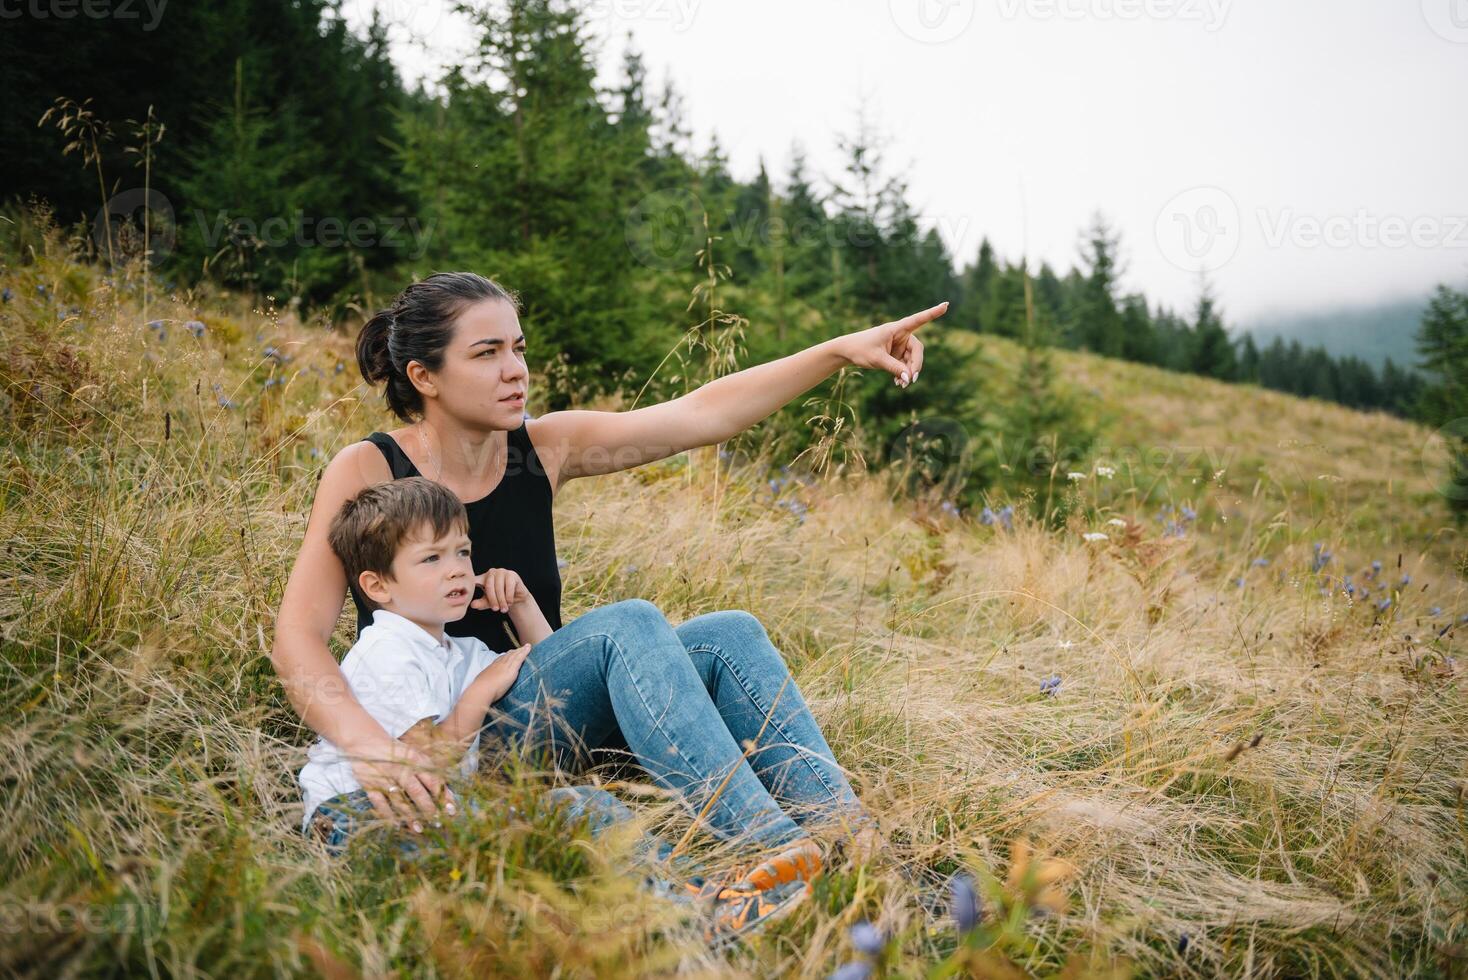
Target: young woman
(686,700)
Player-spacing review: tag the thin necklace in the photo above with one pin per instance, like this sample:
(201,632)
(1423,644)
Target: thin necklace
(424,441)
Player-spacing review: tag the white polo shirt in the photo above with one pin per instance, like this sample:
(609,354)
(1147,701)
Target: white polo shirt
(401,675)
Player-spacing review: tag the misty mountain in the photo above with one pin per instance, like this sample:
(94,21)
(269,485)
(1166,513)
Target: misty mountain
(1372,332)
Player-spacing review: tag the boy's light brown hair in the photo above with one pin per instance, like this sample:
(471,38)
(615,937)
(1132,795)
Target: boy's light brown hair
(370,527)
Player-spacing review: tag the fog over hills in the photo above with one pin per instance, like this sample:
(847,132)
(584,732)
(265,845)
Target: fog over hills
(1371,332)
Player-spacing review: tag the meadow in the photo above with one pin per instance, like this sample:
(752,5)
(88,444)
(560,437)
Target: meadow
(1212,725)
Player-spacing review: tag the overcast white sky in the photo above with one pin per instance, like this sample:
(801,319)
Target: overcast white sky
(1309,153)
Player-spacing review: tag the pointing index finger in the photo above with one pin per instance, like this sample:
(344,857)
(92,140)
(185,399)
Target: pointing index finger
(911,323)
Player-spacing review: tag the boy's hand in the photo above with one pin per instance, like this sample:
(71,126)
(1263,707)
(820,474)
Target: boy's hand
(503,672)
(502,589)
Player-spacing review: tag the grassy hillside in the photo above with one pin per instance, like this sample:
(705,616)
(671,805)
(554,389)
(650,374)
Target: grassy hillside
(1244,769)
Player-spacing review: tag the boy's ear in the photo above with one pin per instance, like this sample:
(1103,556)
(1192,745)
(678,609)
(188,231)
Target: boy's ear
(373,586)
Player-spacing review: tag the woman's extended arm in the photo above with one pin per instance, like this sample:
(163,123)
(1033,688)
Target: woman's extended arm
(312,678)
(586,443)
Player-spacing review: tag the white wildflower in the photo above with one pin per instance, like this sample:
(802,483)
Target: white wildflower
(1073,476)
(1107,471)
(1117,522)
(1095,536)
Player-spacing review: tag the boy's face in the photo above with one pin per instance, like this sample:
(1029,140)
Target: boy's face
(432,579)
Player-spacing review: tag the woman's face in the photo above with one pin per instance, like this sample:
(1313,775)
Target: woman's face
(484,379)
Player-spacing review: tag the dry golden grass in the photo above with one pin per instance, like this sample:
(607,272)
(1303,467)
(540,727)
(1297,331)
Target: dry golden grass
(1276,773)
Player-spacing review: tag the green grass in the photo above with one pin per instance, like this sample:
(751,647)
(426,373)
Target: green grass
(148,755)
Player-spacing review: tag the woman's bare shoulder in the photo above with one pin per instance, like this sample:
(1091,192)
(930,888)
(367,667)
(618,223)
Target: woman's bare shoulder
(546,439)
(356,466)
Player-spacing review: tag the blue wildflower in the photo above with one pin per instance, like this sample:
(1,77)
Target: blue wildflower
(1384,604)
(6,294)
(964,903)
(41,288)
(1463,618)
(1406,579)
(1435,611)
(1238,583)
(562,563)
(867,938)
(340,367)
(987,517)
(948,508)
(855,970)
(1006,517)
(1189,514)
(1375,567)
(1182,944)
(1260,562)
(1050,685)
(195,327)
(1322,557)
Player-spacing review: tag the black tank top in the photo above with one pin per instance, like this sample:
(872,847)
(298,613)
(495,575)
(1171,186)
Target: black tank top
(510,528)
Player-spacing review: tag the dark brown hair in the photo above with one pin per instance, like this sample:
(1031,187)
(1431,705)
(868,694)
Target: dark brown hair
(370,527)
(417,327)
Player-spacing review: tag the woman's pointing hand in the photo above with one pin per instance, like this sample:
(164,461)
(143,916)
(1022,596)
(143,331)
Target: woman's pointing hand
(891,347)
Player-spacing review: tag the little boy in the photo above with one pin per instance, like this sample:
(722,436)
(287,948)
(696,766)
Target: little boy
(405,544)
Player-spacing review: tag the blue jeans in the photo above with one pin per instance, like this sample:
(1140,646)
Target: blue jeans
(709,709)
